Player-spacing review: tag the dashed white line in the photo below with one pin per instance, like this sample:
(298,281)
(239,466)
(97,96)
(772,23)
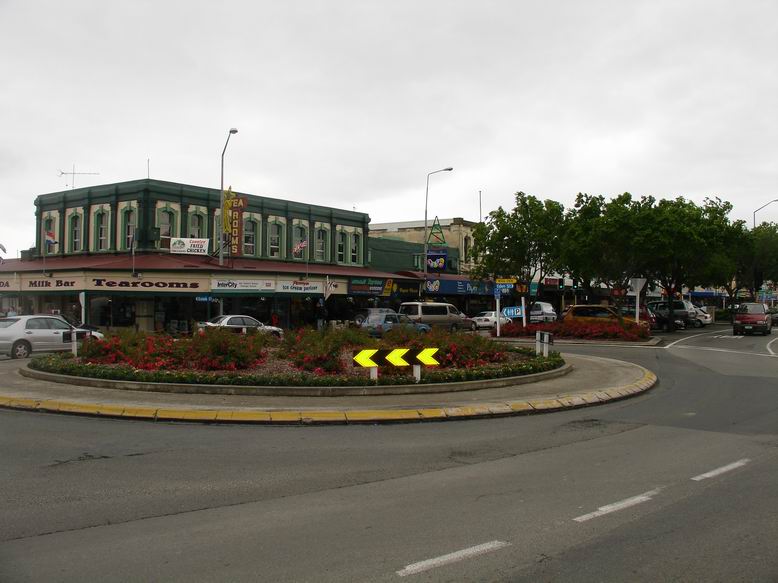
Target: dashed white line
(468,553)
(770,350)
(721,470)
(602,510)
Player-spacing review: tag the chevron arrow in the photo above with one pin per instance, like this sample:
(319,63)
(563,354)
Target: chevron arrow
(395,357)
(425,356)
(363,358)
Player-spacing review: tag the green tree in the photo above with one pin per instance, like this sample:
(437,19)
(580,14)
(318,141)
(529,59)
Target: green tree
(524,242)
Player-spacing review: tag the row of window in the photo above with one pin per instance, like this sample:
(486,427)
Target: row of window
(348,245)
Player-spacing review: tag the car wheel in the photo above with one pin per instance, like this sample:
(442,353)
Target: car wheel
(21,349)
(697,324)
(473,327)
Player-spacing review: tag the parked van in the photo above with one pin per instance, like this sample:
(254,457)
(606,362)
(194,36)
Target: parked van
(437,314)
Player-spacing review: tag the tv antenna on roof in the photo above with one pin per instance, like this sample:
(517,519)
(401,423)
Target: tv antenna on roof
(73,175)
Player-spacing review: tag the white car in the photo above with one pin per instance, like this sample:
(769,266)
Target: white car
(240,323)
(702,317)
(20,336)
(542,312)
(489,320)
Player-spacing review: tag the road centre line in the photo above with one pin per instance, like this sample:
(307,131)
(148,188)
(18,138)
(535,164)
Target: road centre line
(621,505)
(690,337)
(721,470)
(773,355)
(454,557)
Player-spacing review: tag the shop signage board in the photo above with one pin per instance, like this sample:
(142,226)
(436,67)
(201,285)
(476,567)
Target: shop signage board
(234,207)
(505,280)
(371,357)
(507,286)
(370,286)
(457,287)
(188,246)
(300,287)
(221,284)
(437,259)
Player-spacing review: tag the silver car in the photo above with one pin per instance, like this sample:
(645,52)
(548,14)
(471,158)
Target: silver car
(240,323)
(20,336)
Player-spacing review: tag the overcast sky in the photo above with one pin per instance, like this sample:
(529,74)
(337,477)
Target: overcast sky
(351,103)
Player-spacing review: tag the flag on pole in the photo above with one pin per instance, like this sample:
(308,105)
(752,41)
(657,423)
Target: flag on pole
(299,247)
(329,287)
(50,238)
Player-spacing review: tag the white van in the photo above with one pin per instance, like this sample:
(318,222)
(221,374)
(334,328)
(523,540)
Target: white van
(437,314)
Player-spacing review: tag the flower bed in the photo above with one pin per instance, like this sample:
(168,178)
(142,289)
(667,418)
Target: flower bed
(583,330)
(305,358)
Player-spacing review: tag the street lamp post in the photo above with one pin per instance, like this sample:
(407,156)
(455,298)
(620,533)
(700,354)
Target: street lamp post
(761,207)
(426,197)
(221,202)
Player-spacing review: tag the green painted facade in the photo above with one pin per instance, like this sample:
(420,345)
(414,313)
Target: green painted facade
(393,255)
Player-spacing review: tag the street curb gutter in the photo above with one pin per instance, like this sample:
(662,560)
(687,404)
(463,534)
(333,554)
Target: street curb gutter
(342,416)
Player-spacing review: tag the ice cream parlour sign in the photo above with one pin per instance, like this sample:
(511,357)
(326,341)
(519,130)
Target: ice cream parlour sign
(302,286)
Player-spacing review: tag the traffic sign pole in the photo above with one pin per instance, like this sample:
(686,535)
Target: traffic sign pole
(523,312)
(498,313)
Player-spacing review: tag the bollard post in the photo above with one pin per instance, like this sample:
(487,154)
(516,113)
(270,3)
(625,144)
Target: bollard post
(73,343)
(547,338)
(537,342)
(373,373)
(417,372)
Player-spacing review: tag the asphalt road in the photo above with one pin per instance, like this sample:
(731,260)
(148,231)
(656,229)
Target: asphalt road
(680,484)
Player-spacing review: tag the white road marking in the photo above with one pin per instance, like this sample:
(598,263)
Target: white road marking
(602,510)
(690,337)
(730,337)
(468,553)
(728,350)
(770,350)
(721,470)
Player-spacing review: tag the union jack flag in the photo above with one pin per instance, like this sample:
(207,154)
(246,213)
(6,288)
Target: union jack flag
(299,247)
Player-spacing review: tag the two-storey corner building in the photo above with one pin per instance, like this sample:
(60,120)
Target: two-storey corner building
(103,255)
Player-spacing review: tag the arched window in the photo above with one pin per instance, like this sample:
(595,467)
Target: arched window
(250,238)
(320,253)
(165,224)
(195,226)
(101,227)
(275,232)
(356,241)
(342,242)
(75,233)
(299,242)
(48,233)
(129,229)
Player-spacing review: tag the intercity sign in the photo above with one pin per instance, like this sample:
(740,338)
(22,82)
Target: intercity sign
(237,285)
(372,358)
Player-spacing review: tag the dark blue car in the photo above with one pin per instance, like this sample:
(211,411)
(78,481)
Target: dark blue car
(377,324)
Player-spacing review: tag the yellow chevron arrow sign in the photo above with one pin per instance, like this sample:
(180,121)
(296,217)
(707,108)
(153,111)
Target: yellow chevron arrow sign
(425,356)
(396,357)
(362,358)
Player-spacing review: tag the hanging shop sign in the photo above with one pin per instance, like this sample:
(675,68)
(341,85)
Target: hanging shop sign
(406,288)
(186,246)
(437,259)
(370,286)
(300,287)
(221,284)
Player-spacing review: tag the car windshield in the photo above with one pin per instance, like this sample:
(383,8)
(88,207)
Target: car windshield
(750,309)
(374,318)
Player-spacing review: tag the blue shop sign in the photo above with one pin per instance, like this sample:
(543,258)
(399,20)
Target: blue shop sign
(446,287)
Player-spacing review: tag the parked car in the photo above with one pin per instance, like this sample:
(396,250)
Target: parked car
(240,323)
(489,320)
(646,315)
(703,318)
(361,315)
(20,336)
(542,312)
(752,317)
(773,315)
(437,314)
(590,313)
(682,310)
(378,323)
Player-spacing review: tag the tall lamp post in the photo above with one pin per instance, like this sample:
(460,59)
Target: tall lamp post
(221,201)
(761,207)
(426,198)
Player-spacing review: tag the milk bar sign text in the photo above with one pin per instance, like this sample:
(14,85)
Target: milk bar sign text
(50,283)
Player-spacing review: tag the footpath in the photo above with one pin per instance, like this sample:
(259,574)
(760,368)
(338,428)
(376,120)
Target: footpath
(590,381)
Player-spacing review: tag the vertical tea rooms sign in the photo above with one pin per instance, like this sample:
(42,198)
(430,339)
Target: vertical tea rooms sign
(234,207)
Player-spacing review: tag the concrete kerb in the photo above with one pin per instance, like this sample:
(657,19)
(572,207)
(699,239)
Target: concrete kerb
(281,391)
(652,341)
(345,416)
